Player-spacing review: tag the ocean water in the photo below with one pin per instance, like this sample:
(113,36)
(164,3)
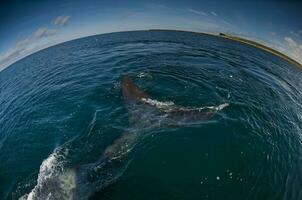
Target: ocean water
(61,108)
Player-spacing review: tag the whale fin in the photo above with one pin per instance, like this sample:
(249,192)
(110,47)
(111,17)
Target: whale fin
(131,92)
(167,112)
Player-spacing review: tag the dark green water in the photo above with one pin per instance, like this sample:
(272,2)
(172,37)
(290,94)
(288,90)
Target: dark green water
(61,107)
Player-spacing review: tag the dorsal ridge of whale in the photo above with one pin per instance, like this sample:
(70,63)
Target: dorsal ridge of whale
(178,114)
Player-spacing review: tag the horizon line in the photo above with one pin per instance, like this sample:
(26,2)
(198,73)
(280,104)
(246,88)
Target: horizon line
(228,36)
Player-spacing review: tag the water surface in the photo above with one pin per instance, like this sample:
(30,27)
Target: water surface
(66,101)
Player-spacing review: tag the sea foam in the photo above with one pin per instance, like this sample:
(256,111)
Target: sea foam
(54,182)
(170,105)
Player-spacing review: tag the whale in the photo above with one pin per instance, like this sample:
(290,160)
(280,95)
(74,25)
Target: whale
(145,114)
(173,114)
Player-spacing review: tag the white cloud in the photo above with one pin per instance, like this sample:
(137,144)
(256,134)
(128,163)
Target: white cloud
(16,52)
(61,20)
(290,42)
(198,12)
(24,47)
(44,32)
(30,44)
(294,33)
(226,23)
(213,13)
(294,48)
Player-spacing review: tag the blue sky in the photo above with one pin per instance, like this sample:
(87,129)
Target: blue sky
(28,26)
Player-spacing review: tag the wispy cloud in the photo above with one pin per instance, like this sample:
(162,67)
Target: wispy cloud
(19,50)
(44,32)
(294,48)
(23,47)
(61,20)
(31,43)
(213,13)
(197,12)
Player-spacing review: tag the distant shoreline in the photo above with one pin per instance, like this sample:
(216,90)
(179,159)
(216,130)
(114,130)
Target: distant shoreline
(245,41)
(221,35)
(261,46)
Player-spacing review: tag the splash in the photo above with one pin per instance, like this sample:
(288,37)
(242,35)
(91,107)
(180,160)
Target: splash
(54,182)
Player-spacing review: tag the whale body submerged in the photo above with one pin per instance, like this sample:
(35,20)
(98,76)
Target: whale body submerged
(56,181)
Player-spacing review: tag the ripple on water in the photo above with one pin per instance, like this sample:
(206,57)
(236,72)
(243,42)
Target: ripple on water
(61,107)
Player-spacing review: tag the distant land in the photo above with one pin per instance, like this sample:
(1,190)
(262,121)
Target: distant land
(245,41)
(261,46)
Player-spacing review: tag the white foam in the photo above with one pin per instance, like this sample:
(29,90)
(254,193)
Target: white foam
(222,106)
(144,74)
(169,105)
(53,180)
(159,104)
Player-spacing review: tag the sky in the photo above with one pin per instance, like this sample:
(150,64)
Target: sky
(29,26)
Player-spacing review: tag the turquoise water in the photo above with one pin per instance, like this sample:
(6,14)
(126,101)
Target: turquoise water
(63,106)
